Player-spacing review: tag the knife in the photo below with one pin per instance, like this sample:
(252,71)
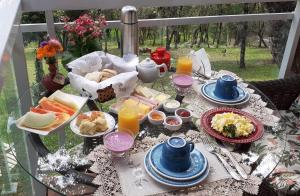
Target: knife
(235,163)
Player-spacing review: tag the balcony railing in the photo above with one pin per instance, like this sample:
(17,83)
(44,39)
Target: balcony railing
(50,26)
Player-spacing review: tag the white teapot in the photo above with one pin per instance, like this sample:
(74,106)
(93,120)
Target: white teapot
(149,71)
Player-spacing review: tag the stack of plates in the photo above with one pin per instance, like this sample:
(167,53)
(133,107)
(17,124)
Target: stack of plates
(207,91)
(197,172)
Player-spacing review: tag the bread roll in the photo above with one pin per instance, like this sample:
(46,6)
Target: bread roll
(111,71)
(94,76)
(107,75)
(86,127)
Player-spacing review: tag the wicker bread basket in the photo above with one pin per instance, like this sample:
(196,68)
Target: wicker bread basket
(106,94)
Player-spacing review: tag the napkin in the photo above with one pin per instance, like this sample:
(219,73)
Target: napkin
(123,83)
(135,181)
(201,63)
(88,63)
(125,64)
(99,60)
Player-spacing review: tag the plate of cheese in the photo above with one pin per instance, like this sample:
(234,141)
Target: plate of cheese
(93,124)
(143,105)
(151,94)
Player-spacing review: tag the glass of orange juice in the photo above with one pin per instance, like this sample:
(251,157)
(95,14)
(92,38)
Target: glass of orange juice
(184,65)
(128,120)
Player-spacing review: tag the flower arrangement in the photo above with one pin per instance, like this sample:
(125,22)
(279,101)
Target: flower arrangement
(48,50)
(83,35)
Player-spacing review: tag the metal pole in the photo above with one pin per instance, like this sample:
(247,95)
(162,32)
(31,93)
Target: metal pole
(291,44)
(20,68)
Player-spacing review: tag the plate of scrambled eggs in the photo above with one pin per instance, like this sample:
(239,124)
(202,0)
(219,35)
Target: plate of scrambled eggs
(232,125)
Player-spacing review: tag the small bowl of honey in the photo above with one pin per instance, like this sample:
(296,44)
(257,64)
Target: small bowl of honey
(156,117)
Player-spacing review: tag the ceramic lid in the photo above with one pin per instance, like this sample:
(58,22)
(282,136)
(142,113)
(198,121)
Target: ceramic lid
(147,63)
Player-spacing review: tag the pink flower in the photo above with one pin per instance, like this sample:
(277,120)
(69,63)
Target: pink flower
(298,138)
(80,30)
(96,34)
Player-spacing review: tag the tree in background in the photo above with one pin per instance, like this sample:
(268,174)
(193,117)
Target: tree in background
(279,34)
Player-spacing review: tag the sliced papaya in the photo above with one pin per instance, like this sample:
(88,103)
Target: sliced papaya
(43,111)
(55,106)
(69,110)
(60,119)
(39,110)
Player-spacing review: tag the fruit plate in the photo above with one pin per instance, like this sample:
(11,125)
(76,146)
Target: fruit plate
(78,100)
(206,124)
(110,123)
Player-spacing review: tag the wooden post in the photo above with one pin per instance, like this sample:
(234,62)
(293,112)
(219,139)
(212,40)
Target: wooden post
(50,24)
(291,44)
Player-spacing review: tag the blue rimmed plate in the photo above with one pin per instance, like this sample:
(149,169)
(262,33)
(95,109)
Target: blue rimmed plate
(198,165)
(172,183)
(207,90)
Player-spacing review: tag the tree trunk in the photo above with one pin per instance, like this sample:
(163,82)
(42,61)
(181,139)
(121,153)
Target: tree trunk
(261,35)
(117,38)
(215,34)
(237,38)
(206,35)
(194,37)
(219,34)
(244,33)
(176,33)
(154,38)
(169,38)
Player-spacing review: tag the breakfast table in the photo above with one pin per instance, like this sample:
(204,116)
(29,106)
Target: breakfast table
(83,166)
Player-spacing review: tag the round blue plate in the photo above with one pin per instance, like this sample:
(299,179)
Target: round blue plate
(208,91)
(173,183)
(198,165)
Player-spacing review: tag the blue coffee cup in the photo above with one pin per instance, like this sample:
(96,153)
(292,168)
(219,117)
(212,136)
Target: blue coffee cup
(176,154)
(226,87)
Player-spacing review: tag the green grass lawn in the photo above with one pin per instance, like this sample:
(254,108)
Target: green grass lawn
(259,65)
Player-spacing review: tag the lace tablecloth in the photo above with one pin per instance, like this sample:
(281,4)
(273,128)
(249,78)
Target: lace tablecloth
(108,179)
(109,184)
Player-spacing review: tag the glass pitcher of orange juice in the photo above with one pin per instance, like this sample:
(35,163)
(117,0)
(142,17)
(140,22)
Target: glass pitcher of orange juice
(184,65)
(128,119)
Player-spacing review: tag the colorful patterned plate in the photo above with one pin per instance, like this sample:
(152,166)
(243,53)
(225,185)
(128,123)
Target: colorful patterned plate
(172,183)
(198,165)
(206,124)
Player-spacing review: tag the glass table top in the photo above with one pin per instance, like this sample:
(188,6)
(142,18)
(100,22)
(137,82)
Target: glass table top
(60,162)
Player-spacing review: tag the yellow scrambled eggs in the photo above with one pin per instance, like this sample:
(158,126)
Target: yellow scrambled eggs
(244,127)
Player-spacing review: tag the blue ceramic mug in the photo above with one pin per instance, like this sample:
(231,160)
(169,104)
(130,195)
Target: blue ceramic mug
(226,87)
(176,154)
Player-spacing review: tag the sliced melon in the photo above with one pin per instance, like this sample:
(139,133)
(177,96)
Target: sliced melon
(64,99)
(38,121)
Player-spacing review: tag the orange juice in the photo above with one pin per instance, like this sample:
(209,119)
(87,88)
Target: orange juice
(128,120)
(184,65)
